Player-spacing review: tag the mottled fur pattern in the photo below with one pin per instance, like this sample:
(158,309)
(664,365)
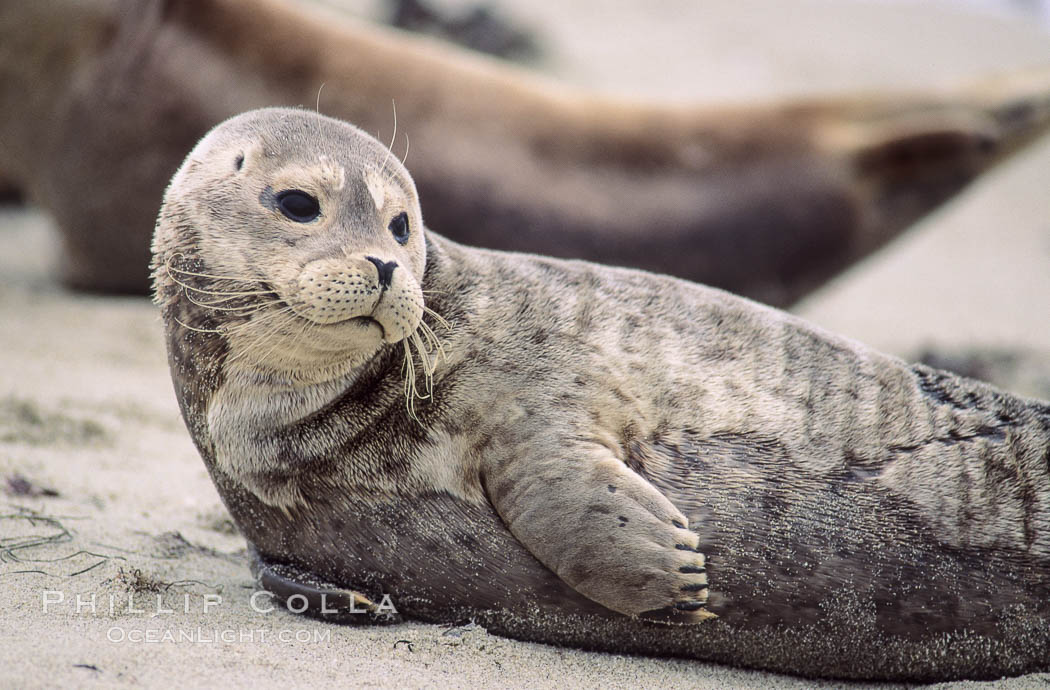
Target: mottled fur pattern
(616,424)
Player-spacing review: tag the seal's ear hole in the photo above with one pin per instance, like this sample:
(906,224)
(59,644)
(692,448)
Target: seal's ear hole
(238,162)
(399,227)
(297,205)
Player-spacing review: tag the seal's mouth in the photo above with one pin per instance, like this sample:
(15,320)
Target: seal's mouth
(366,322)
(360,322)
(350,326)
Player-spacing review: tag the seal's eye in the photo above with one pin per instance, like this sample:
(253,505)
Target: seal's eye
(298,205)
(399,227)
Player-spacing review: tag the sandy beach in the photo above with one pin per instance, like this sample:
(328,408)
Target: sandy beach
(119,566)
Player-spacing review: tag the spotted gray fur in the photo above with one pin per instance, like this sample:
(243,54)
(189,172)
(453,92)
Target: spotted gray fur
(601,446)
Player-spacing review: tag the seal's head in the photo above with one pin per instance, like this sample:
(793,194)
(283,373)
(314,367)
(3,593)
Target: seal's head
(296,236)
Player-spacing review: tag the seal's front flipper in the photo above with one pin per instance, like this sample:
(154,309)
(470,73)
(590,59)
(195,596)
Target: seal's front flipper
(300,591)
(605,531)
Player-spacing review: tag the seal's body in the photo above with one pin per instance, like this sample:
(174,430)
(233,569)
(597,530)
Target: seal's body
(579,454)
(765,200)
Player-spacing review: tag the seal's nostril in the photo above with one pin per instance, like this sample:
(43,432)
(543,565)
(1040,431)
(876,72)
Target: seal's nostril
(385,268)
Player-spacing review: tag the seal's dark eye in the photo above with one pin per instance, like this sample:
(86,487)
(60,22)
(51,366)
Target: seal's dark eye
(298,205)
(399,227)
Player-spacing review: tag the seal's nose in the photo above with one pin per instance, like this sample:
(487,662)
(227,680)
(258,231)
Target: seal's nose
(386,270)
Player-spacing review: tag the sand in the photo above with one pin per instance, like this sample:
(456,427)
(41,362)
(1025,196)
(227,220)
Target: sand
(104,497)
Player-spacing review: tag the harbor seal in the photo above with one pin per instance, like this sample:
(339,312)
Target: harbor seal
(765,200)
(579,454)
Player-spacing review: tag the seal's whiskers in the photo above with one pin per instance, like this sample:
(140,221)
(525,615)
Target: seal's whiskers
(385,163)
(408,371)
(224,295)
(168,265)
(195,329)
(226,298)
(437,317)
(274,317)
(214,299)
(243,310)
(277,321)
(216,293)
(426,362)
(431,350)
(433,342)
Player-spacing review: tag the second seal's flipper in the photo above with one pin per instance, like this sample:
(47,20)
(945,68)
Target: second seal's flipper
(303,592)
(912,152)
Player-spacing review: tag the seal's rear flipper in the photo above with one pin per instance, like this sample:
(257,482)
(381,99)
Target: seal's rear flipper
(300,591)
(911,153)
